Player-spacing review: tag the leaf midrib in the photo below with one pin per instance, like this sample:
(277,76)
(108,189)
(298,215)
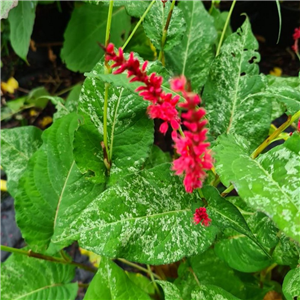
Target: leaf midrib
(61,194)
(188,41)
(40,289)
(124,220)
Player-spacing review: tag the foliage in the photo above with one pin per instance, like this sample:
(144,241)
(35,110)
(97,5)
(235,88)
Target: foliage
(97,176)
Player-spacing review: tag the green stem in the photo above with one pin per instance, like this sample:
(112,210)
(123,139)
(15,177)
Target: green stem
(153,280)
(225,27)
(138,24)
(275,134)
(108,25)
(165,32)
(30,253)
(138,267)
(106,71)
(228,190)
(196,278)
(83,285)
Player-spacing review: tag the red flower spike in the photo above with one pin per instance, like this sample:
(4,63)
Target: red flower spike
(296,37)
(194,154)
(201,216)
(163,105)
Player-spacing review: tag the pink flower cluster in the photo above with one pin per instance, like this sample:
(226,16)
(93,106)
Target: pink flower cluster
(296,37)
(200,216)
(163,105)
(194,154)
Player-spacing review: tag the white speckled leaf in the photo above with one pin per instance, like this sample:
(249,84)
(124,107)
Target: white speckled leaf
(209,292)
(17,146)
(112,283)
(145,217)
(28,278)
(6,6)
(86,27)
(286,252)
(291,284)
(52,186)
(285,90)
(269,183)
(130,131)
(155,22)
(171,292)
(121,80)
(232,93)
(194,55)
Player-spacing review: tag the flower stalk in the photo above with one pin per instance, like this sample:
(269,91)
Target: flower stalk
(63,261)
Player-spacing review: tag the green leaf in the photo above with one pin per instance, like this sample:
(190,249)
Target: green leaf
(17,146)
(130,131)
(60,107)
(186,281)
(223,213)
(291,284)
(112,283)
(37,97)
(73,98)
(285,90)
(52,187)
(151,220)
(286,252)
(6,6)
(194,55)
(232,93)
(241,253)
(219,21)
(210,269)
(268,182)
(155,23)
(209,292)
(134,8)
(87,26)
(28,278)
(157,157)
(171,292)
(88,152)
(142,282)
(21,20)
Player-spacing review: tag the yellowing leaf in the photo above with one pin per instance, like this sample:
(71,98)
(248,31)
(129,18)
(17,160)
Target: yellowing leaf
(10,86)
(46,121)
(276,72)
(94,258)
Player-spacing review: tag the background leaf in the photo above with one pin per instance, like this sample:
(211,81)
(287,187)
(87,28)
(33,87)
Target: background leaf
(151,221)
(193,56)
(155,23)
(17,146)
(111,283)
(268,182)
(28,278)
(87,26)
(232,93)
(21,20)
(291,284)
